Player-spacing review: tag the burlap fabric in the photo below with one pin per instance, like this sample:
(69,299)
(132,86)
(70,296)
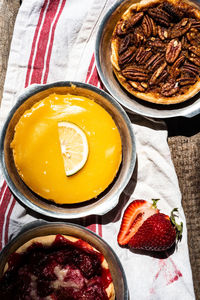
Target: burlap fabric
(184,142)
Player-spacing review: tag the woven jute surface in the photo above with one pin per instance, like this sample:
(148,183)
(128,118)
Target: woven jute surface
(184,143)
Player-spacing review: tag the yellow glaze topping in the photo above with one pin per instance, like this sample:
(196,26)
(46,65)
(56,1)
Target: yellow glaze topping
(37,151)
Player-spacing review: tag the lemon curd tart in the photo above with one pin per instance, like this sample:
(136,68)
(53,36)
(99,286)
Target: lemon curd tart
(67,148)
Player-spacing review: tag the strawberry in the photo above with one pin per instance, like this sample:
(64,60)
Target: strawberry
(134,216)
(144,227)
(155,234)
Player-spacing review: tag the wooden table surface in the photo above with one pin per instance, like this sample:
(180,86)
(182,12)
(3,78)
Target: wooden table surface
(184,143)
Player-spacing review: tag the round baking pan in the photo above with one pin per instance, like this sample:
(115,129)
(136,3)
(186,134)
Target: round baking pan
(41,228)
(106,200)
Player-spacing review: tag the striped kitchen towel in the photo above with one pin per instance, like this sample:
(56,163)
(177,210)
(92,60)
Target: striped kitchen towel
(54,40)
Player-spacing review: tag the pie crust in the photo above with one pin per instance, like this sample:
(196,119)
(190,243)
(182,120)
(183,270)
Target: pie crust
(153,94)
(47,241)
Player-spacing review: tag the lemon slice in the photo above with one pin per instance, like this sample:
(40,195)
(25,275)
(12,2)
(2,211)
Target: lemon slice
(74,147)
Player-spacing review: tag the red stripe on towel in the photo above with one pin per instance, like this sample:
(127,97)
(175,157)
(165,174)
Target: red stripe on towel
(51,42)
(92,227)
(43,41)
(100,226)
(94,79)
(90,68)
(34,42)
(7,220)
(3,208)
(2,190)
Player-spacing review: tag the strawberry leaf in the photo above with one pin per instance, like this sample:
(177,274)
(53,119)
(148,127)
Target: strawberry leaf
(178,227)
(154,205)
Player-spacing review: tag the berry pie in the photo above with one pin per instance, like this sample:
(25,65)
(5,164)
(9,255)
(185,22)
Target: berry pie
(56,267)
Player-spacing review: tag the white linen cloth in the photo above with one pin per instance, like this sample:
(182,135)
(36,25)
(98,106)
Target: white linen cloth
(54,40)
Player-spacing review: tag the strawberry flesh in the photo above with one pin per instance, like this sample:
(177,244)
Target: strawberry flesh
(134,216)
(155,234)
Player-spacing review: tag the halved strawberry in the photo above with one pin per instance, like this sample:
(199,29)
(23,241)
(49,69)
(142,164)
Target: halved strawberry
(134,216)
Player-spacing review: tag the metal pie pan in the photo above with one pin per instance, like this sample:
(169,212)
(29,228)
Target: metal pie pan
(105,201)
(188,108)
(41,228)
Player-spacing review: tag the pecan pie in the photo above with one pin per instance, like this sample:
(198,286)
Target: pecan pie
(57,267)
(156,50)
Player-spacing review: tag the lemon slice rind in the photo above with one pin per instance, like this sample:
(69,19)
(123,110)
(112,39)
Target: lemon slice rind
(74,147)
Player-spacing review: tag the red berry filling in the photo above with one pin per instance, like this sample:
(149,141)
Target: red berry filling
(64,271)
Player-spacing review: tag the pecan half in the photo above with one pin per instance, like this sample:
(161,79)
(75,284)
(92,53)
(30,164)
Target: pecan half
(162,76)
(154,61)
(174,12)
(173,50)
(175,71)
(191,69)
(195,24)
(138,53)
(156,43)
(143,55)
(163,33)
(180,28)
(195,60)
(127,56)
(138,36)
(195,50)
(139,86)
(135,73)
(124,43)
(157,73)
(120,30)
(184,42)
(160,16)
(193,36)
(154,27)
(134,19)
(186,81)
(147,26)
(170,88)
